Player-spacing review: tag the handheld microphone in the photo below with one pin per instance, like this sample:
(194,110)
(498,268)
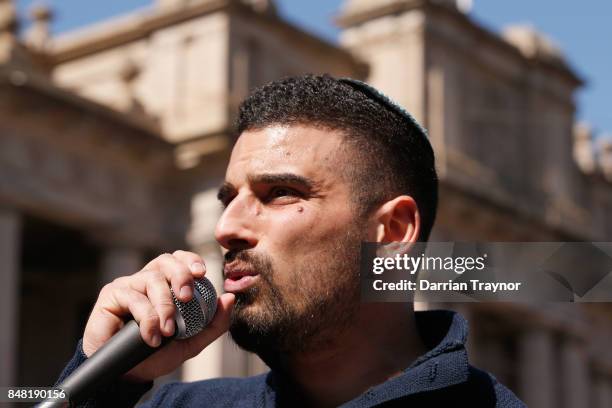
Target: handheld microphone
(126,349)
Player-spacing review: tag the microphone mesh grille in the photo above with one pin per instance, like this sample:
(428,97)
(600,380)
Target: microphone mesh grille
(200,310)
(208,298)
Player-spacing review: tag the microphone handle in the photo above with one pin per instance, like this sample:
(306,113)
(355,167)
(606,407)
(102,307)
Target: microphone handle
(125,350)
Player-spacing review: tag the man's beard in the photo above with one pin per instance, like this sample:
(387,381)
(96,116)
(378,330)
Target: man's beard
(319,302)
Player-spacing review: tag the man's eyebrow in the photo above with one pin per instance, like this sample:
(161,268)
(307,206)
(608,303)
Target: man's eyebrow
(282,178)
(227,189)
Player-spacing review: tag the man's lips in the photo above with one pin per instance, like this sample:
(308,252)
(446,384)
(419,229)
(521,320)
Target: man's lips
(238,280)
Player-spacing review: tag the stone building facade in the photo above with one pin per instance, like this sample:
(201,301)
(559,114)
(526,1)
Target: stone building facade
(114,139)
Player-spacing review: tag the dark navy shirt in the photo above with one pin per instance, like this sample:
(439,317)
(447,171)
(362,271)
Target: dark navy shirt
(441,377)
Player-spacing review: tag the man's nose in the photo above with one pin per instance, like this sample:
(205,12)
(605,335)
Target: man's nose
(235,227)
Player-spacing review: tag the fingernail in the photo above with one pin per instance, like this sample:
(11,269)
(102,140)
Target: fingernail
(197,267)
(169,326)
(186,292)
(156,340)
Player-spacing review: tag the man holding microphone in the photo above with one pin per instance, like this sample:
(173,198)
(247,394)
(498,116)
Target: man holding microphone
(320,165)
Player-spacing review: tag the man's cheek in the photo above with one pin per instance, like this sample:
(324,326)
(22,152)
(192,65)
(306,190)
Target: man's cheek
(290,229)
(292,215)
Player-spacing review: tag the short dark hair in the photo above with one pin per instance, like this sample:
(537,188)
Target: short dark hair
(392,153)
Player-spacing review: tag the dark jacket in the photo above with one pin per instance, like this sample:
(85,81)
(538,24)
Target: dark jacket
(441,377)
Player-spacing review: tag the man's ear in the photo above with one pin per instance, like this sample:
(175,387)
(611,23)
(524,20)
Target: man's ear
(398,220)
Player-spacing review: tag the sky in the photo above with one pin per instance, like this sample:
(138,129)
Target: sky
(583,30)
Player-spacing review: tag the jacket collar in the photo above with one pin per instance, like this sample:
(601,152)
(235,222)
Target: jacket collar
(446,363)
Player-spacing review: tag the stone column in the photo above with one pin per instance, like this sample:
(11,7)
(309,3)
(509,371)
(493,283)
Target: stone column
(222,358)
(255,365)
(211,361)
(603,393)
(536,368)
(575,370)
(10,243)
(120,261)
(214,361)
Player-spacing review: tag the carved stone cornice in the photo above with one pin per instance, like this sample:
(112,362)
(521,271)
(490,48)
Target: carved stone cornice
(354,17)
(20,82)
(127,28)
(141,24)
(69,159)
(367,11)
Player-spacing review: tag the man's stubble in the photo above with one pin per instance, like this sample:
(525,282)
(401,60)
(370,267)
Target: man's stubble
(320,301)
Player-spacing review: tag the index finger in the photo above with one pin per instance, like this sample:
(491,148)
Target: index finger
(194,262)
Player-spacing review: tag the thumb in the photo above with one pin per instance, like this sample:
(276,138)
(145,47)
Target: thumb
(219,325)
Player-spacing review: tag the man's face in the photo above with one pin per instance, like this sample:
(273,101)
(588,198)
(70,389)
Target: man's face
(292,237)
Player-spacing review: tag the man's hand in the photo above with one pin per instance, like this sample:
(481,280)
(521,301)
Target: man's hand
(146,296)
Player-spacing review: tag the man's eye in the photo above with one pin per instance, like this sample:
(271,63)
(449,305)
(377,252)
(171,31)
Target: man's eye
(279,192)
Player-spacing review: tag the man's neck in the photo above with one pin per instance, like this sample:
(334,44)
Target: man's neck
(368,353)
